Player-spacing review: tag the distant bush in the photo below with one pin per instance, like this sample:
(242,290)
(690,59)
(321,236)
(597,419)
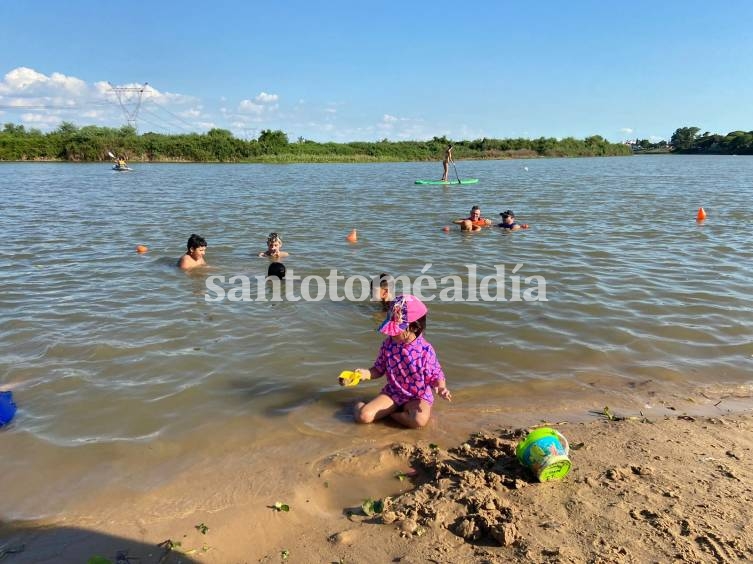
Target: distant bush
(71,143)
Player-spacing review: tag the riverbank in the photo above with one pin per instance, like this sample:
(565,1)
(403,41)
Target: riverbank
(642,489)
(298,158)
(218,145)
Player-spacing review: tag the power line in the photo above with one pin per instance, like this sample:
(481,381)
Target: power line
(176,116)
(169,122)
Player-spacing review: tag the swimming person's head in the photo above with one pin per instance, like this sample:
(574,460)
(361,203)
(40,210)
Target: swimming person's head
(274,242)
(195,242)
(276,269)
(508,216)
(384,294)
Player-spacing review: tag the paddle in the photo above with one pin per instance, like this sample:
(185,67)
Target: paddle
(111,155)
(456,172)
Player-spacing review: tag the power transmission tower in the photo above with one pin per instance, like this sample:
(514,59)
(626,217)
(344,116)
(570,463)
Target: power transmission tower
(129,99)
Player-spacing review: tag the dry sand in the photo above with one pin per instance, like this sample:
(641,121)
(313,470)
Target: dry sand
(673,488)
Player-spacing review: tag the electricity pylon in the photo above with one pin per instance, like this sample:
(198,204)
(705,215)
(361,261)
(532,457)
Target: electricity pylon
(129,99)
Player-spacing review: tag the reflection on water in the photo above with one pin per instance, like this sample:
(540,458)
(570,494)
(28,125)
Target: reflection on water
(110,351)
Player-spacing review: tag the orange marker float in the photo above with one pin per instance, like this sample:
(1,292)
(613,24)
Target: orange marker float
(701,214)
(352,237)
(141,249)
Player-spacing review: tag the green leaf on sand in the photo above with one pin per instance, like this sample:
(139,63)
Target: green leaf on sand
(202,528)
(372,506)
(279,506)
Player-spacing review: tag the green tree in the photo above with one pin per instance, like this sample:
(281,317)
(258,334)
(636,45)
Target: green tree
(273,141)
(683,138)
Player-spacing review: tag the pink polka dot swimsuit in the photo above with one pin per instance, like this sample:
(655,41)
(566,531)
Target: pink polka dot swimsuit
(411,370)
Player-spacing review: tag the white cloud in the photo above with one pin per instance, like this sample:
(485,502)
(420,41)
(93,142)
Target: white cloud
(26,81)
(262,104)
(27,89)
(102,87)
(264,98)
(41,119)
(93,114)
(247,106)
(31,97)
(626,130)
(387,118)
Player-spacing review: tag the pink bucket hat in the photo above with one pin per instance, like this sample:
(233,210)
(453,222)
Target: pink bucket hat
(404,310)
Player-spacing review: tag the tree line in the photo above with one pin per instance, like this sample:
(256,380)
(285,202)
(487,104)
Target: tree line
(687,140)
(91,144)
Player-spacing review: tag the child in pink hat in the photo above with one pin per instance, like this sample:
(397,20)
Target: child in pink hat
(410,366)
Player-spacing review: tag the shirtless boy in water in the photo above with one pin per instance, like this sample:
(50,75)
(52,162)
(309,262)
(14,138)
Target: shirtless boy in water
(196,247)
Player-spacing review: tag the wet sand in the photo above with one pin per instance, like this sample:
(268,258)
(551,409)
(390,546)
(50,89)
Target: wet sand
(658,486)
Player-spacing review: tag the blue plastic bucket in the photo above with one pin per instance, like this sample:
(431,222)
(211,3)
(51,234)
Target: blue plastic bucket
(7,408)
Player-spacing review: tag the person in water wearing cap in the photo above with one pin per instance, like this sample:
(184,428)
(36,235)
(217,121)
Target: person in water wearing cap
(274,244)
(196,247)
(410,366)
(508,221)
(474,222)
(446,163)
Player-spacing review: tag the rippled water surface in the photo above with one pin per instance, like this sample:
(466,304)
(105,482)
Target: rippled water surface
(112,353)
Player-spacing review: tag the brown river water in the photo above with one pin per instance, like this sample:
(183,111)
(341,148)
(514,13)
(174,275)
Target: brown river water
(130,374)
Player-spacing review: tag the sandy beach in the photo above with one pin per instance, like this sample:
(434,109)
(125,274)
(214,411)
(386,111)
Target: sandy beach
(660,488)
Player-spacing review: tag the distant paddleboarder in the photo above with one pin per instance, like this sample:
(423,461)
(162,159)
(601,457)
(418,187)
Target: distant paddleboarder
(446,163)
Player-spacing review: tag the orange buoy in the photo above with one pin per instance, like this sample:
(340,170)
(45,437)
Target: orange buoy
(446,229)
(701,214)
(352,237)
(141,248)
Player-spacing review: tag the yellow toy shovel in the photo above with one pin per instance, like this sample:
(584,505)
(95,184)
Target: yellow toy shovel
(349,377)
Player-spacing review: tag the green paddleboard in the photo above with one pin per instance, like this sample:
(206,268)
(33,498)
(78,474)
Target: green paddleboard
(462,181)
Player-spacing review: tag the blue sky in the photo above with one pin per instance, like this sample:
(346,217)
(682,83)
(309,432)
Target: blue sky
(344,71)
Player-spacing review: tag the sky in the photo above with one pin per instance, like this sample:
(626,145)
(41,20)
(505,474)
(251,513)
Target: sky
(411,70)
